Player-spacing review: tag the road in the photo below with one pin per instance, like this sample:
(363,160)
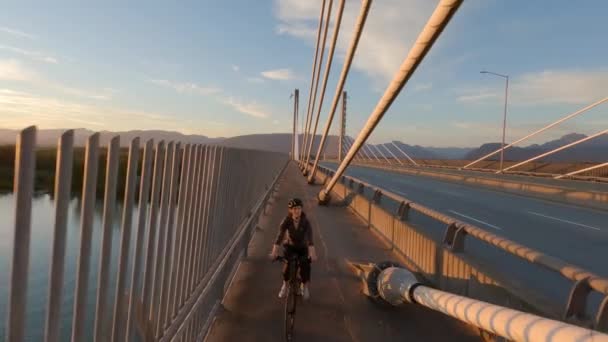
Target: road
(575,234)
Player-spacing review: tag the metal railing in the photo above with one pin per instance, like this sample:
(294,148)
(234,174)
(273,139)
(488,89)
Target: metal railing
(197,209)
(396,227)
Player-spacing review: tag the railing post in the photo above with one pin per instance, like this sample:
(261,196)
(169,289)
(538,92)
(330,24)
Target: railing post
(25,166)
(63,182)
(89,190)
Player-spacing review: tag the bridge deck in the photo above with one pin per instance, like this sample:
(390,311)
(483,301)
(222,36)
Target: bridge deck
(337,311)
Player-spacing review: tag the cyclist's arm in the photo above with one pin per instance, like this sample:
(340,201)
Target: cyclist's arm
(308,236)
(281,234)
(311,246)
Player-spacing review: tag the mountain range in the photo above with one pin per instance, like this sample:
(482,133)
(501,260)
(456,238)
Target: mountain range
(593,150)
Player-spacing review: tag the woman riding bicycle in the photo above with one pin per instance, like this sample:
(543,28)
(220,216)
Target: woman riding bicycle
(295,233)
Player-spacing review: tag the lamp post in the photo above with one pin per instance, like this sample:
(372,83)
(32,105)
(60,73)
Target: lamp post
(504,122)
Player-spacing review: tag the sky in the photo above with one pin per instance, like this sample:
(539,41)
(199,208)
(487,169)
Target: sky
(227,68)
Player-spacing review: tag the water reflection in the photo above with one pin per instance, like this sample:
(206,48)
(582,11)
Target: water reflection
(40,255)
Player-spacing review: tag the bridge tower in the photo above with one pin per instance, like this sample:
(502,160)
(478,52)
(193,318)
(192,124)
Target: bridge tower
(294,138)
(342,126)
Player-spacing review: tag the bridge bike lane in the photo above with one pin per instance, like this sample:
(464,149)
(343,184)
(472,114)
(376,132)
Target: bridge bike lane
(337,310)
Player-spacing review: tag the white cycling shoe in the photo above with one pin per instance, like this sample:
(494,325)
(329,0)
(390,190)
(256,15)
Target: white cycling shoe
(283,292)
(304,292)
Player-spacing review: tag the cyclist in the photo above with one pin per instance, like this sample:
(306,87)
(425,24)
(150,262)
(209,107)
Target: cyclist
(295,234)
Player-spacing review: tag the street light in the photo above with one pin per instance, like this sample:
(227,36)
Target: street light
(504,122)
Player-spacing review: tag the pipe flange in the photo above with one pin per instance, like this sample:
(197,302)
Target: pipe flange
(372,278)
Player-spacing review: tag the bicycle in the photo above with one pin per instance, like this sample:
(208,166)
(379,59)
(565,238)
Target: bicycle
(295,281)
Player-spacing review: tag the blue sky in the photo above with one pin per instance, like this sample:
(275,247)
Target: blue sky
(227,68)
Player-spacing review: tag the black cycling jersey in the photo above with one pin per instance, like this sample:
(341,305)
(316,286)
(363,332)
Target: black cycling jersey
(299,237)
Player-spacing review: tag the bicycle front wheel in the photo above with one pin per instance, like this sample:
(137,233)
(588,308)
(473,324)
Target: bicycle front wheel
(290,314)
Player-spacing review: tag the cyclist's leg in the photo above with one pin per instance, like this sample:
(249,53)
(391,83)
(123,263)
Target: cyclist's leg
(287,251)
(305,268)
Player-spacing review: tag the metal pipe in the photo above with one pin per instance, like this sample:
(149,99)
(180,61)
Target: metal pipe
(89,191)
(569,116)
(311,139)
(397,285)
(438,21)
(210,200)
(63,182)
(581,171)
(161,245)
(171,239)
(179,233)
(125,240)
(312,82)
(181,285)
(330,58)
(220,193)
(105,251)
(365,5)
(391,152)
(405,154)
(200,241)
(204,170)
(557,149)
(144,194)
(150,258)
(25,166)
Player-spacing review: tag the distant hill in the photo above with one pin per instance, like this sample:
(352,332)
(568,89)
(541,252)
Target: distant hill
(49,137)
(593,150)
(278,142)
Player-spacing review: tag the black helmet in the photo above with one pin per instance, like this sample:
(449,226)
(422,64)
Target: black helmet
(294,202)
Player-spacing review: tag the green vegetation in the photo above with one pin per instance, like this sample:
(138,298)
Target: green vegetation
(45,170)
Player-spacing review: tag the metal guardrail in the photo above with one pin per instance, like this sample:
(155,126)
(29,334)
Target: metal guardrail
(456,231)
(197,205)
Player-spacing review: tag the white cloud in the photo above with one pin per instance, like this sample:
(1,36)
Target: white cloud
(14,70)
(422,87)
(546,87)
(16,33)
(248,108)
(255,80)
(482,96)
(20,109)
(235,68)
(35,55)
(278,74)
(187,87)
(391,28)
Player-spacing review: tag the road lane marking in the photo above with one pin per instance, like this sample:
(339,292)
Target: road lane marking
(401,193)
(562,220)
(476,220)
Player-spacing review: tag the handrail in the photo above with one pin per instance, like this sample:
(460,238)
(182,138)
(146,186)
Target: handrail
(208,282)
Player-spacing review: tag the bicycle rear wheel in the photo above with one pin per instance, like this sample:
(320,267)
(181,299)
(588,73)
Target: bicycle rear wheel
(290,314)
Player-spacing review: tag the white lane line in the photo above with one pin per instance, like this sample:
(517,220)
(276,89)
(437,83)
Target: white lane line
(562,220)
(476,220)
(400,193)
